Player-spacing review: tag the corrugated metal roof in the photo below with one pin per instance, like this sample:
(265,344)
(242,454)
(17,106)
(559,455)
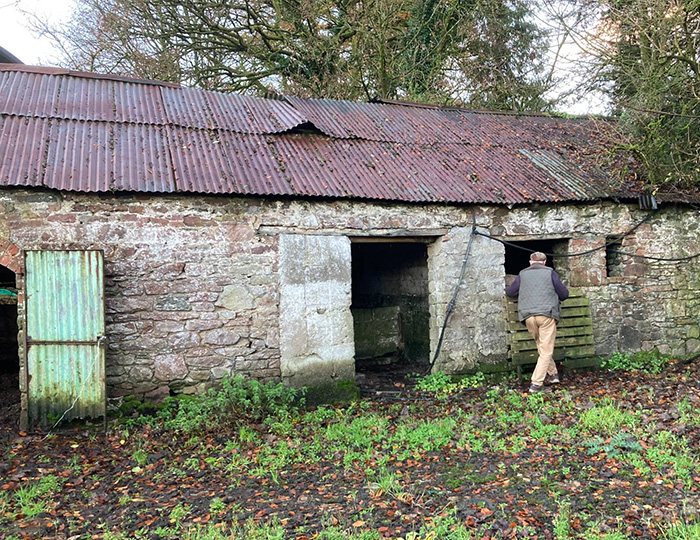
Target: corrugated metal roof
(138,104)
(28,94)
(90,133)
(142,159)
(199,164)
(79,156)
(86,99)
(23,144)
(245,114)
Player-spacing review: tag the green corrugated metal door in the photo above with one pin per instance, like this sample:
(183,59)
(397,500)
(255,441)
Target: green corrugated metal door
(65,331)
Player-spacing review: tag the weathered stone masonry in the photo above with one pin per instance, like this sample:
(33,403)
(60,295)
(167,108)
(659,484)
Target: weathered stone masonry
(198,288)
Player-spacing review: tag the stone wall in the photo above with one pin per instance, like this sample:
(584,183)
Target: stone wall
(193,283)
(650,304)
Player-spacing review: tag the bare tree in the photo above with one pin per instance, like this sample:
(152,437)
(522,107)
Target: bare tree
(482,52)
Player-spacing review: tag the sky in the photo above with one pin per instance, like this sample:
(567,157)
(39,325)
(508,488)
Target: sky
(16,37)
(39,51)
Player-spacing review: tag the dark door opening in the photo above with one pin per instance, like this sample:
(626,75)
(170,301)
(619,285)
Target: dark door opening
(390,306)
(517,258)
(9,351)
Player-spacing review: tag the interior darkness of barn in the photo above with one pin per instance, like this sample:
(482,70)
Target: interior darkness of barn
(9,358)
(518,257)
(390,304)
(9,354)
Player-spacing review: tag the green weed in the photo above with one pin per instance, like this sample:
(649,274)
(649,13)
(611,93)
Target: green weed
(690,415)
(217,506)
(619,444)
(562,527)
(35,498)
(442,383)
(178,513)
(652,362)
(423,436)
(140,457)
(446,526)
(682,531)
(671,451)
(607,418)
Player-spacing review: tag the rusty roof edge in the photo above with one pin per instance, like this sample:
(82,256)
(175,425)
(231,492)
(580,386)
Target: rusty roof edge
(83,74)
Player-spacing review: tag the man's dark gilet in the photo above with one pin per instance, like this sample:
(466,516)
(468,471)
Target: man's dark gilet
(537,295)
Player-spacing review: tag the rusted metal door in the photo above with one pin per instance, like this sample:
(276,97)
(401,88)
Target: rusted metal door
(65,328)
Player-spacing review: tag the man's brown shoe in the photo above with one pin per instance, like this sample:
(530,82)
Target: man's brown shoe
(552,379)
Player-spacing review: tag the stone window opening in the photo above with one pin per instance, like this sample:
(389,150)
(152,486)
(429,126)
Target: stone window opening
(517,259)
(390,306)
(614,261)
(9,347)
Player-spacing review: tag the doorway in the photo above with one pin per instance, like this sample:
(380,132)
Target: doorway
(9,351)
(518,255)
(390,306)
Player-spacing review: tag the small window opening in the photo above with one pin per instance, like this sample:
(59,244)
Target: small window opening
(518,255)
(390,306)
(9,349)
(614,263)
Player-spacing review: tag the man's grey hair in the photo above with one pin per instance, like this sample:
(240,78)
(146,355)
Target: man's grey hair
(538,256)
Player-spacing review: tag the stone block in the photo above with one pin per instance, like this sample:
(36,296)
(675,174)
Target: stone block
(203,306)
(173,303)
(170,326)
(220,372)
(140,374)
(199,325)
(221,337)
(199,376)
(169,270)
(169,367)
(157,394)
(183,340)
(235,298)
(205,362)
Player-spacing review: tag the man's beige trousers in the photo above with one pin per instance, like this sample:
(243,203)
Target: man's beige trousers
(544,331)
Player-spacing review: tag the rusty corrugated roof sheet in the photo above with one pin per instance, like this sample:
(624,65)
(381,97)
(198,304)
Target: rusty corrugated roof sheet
(93,133)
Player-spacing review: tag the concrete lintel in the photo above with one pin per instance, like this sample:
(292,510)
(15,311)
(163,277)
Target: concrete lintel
(356,235)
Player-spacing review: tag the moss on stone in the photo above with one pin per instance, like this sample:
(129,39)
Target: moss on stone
(133,404)
(332,393)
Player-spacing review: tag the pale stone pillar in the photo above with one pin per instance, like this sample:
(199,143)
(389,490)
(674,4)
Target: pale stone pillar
(316,331)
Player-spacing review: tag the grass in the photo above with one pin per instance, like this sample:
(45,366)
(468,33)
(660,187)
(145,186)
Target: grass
(608,418)
(36,498)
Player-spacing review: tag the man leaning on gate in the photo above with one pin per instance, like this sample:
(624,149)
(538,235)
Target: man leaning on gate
(540,292)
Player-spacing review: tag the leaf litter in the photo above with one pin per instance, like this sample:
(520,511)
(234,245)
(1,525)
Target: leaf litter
(604,451)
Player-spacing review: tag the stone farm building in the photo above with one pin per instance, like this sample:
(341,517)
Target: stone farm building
(160,238)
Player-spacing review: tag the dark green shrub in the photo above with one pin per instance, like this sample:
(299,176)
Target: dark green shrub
(238,401)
